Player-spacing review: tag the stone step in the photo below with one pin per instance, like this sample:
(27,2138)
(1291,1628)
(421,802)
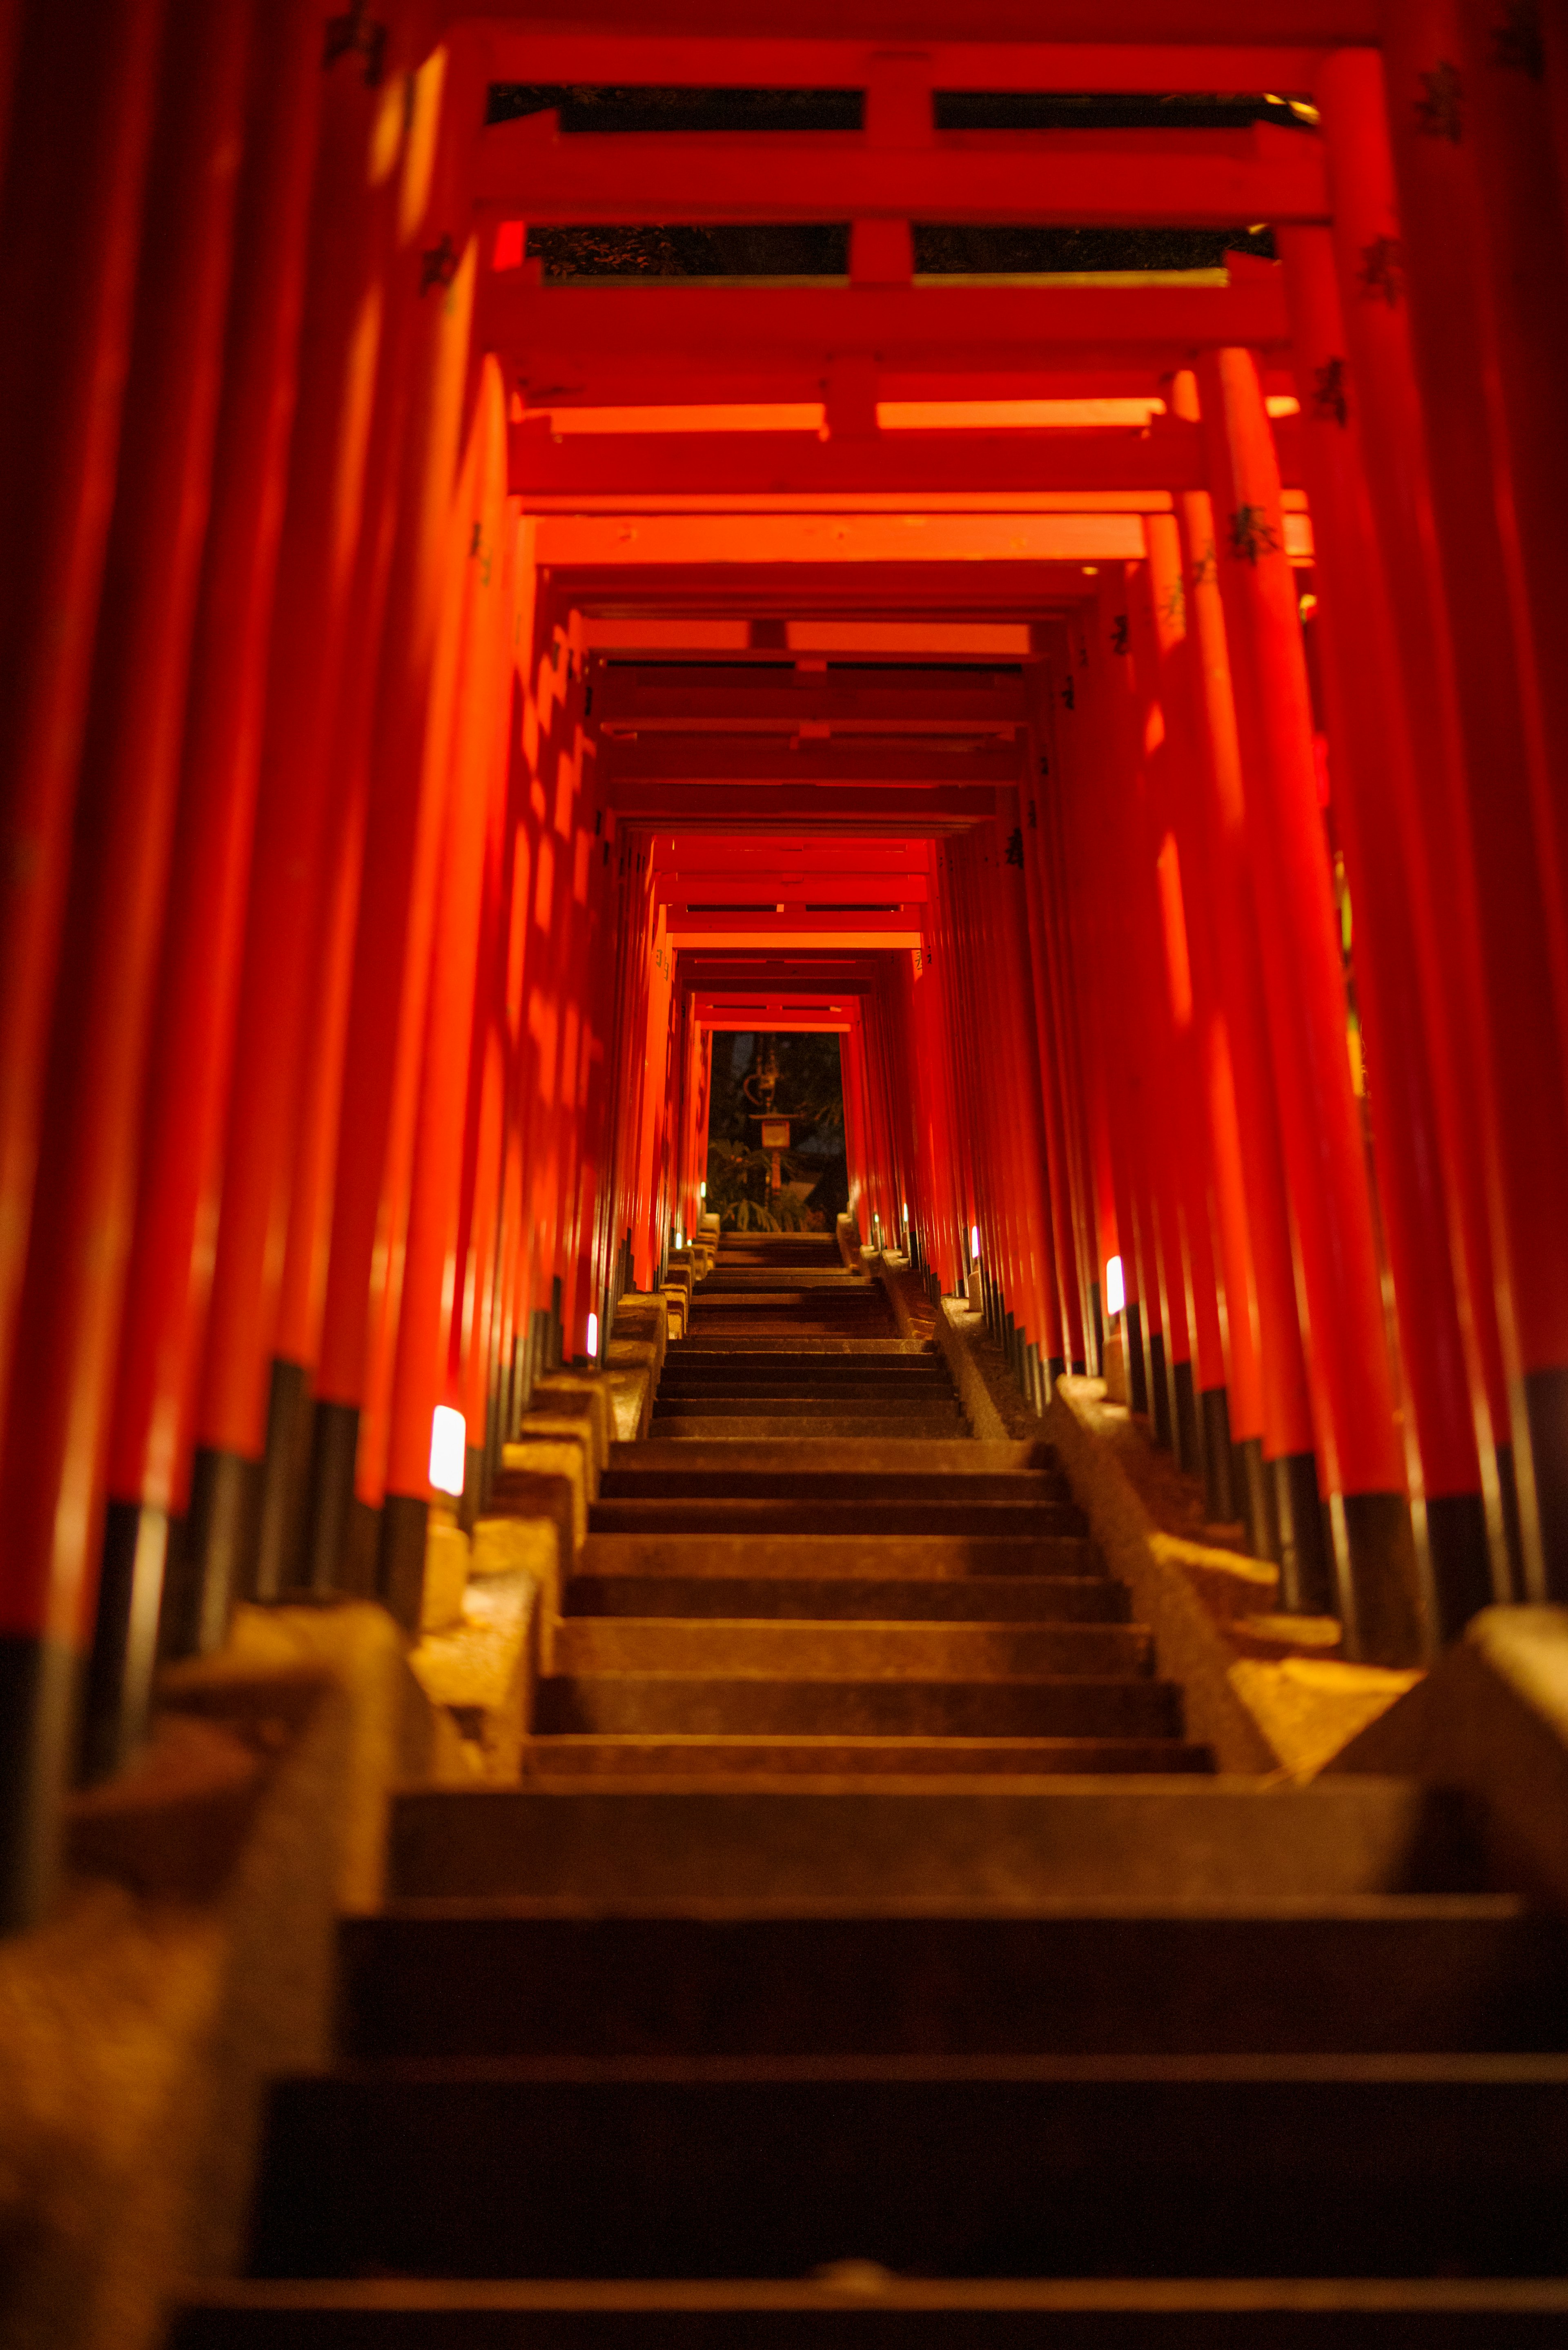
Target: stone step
(685,1361)
(831,1425)
(729,1648)
(787,1346)
(881,1599)
(801,1402)
(1227,2167)
(1411,1973)
(859,2304)
(1183,1839)
(924,1556)
(928,1466)
(658,1758)
(1070,1706)
(719,1515)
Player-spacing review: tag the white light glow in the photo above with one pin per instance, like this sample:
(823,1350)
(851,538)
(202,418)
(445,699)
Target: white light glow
(974,1242)
(679,1242)
(449,1450)
(906,1212)
(701,1190)
(594,1337)
(1116,1294)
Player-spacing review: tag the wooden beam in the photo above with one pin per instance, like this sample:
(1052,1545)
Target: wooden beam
(566,541)
(805,807)
(700,699)
(1163,458)
(1193,179)
(658,760)
(609,340)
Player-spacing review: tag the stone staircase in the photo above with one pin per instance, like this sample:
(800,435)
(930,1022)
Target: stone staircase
(866,1958)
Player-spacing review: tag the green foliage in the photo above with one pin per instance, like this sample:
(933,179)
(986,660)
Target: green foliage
(738,1193)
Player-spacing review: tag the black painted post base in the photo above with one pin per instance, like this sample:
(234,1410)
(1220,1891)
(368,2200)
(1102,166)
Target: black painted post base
(117,1698)
(1253,1481)
(1376,1578)
(1306,1565)
(215,1563)
(39,1687)
(329,1495)
(1132,1349)
(1055,1368)
(1459,1568)
(1158,1390)
(1188,1438)
(1507,1537)
(1097,1333)
(400,1563)
(475,1465)
(1540,1415)
(1219,1500)
(285,1467)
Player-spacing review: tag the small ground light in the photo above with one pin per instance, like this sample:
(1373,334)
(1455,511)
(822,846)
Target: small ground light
(594,1337)
(449,1448)
(1116,1294)
(679,1242)
(974,1242)
(701,1190)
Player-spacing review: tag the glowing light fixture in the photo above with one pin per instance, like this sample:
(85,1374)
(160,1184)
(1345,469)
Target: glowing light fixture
(701,1190)
(449,1448)
(1116,1294)
(680,1240)
(974,1242)
(594,1337)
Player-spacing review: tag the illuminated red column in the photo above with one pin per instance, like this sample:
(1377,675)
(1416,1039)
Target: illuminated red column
(1215,1190)
(1360,1456)
(1512,858)
(286,994)
(171,1259)
(477,581)
(1279,1475)
(1374,775)
(70,230)
(52,1468)
(397,903)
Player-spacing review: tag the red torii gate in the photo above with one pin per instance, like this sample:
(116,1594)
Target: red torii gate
(350,1023)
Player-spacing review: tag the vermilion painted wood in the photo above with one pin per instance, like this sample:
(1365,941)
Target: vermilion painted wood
(84,94)
(282,984)
(1198,179)
(181,1150)
(1207,1082)
(1303,982)
(56,1438)
(1383,404)
(1287,1413)
(1527,1134)
(1365,718)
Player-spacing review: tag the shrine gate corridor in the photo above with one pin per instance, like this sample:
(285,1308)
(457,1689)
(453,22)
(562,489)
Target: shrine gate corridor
(1029,540)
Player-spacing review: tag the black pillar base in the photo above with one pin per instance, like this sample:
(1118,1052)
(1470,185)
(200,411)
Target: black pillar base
(401,1564)
(117,1695)
(1055,1368)
(39,1684)
(284,1469)
(360,1576)
(475,1466)
(1220,1498)
(1158,1390)
(1097,1330)
(1377,1578)
(1458,1561)
(1252,1480)
(1507,1540)
(1541,1412)
(215,1563)
(329,1495)
(1132,1349)
(1188,1444)
(1306,1565)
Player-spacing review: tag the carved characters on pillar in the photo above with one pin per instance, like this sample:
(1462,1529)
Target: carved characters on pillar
(1331,393)
(438,264)
(1120,639)
(1438,110)
(1517,44)
(1381,275)
(1203,570)
(1015,846)
(1253,534)
(356,34)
